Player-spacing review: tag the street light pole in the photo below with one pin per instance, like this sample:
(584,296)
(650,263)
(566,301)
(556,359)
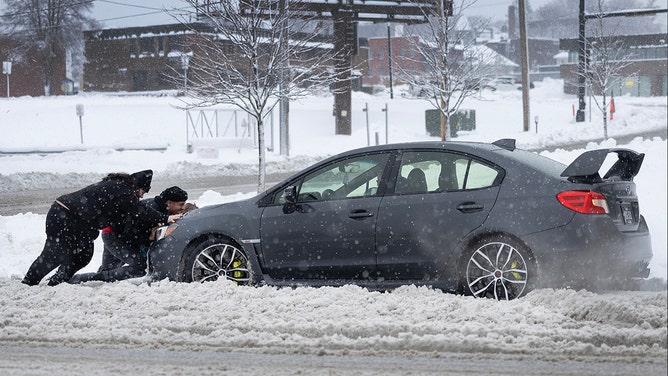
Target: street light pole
(389,58)
(526,80)
(185,62)
(7,70)
(582,63)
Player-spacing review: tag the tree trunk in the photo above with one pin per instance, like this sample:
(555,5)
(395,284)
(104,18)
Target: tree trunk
(444,120)
(605,117)
(262,164)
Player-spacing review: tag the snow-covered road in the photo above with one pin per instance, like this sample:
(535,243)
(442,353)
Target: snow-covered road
(202,323)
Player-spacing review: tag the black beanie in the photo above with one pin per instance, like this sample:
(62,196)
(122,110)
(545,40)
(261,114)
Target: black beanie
(175,194)
(142,179)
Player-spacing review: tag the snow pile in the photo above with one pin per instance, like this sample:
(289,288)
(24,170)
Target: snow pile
(333,321)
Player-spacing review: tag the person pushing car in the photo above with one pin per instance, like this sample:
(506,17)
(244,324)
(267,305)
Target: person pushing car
(75,219)
(125,247)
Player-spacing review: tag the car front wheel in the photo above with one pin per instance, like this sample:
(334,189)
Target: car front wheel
(499,268)
(217,258)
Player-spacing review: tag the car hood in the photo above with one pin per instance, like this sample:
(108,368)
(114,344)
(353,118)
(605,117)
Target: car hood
(585,167)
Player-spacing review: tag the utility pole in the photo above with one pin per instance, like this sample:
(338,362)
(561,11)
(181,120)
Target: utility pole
(525,66)
(582,64)
(389,58)
(7,70)
(284,102)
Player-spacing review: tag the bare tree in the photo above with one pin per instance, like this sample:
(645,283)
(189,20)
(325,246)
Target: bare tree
(50,26)
(450,67)
(608,61)
(254,56)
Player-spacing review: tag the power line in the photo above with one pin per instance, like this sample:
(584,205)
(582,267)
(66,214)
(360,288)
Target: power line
(154,10)
(127,5)
(29,11)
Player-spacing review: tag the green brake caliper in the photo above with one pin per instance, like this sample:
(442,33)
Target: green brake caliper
(237,273)
(518,276)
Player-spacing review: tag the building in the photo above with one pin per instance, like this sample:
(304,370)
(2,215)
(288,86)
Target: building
(404,57)
(150,58)
(643,74)
(136,58)
(27,76)
(407,61)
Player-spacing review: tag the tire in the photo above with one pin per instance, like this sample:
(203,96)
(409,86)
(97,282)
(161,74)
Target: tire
(499,268)
(217,257)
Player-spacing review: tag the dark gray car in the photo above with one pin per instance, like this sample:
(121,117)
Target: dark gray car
(483,219)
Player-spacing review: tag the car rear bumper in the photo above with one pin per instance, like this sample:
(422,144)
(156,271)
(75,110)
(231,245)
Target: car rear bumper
(591,248)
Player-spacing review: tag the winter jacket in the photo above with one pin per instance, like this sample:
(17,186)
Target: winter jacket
(102,204)
(140,222)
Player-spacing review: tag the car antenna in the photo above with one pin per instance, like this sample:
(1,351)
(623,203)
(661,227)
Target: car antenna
(505,143)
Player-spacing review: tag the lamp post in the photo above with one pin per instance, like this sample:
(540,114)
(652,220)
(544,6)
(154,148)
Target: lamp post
(386,126)
(7,70)
(185,61)
(80,113)
(582,63)
(368,136)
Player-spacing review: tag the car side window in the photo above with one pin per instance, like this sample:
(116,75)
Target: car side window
(437,171)
(480,175)
(347,178)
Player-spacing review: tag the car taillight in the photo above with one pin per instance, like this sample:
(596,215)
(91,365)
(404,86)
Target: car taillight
(586,202)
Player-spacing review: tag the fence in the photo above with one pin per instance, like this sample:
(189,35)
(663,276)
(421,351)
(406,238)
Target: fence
(224,128)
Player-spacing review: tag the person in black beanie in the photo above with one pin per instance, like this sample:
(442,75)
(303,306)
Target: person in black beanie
(75,219)
(125,247)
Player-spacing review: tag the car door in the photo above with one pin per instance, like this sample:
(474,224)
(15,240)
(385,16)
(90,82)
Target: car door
(421,222)
(330,232)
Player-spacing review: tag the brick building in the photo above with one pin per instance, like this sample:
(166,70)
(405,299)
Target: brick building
(135,58)
(27,77)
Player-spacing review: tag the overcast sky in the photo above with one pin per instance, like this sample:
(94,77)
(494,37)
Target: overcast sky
(128,13)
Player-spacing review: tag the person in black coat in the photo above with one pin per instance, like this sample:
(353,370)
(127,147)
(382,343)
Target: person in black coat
(75,219)
(125,248)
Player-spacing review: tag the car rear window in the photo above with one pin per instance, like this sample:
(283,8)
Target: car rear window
(536,161)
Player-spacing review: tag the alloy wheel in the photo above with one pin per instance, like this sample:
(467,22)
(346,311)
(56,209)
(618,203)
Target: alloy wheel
(497,270)
(221,261)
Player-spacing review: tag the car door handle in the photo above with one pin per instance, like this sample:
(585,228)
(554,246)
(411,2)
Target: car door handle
(469,207)
(360,213)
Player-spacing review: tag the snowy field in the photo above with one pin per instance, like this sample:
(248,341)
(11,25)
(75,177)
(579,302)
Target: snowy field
(625,329)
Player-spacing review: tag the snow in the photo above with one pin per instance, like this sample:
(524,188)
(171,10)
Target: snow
(627,327)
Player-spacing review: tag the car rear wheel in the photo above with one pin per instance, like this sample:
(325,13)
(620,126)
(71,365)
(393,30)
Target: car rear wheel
(217,258)
(499,268)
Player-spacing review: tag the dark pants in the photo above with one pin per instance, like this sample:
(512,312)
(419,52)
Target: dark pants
(68,247)
(120,260)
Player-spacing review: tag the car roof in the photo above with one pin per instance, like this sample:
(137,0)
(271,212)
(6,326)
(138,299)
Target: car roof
(502,152)
(451,145)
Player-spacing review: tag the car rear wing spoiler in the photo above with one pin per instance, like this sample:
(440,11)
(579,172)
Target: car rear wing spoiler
(584,168)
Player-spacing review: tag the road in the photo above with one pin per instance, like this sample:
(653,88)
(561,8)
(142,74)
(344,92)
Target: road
(26,360)
(38,201)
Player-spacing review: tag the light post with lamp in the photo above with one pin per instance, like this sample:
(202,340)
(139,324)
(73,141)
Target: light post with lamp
(185,62)
(7,70)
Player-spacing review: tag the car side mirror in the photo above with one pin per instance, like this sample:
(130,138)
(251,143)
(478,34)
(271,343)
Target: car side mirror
(290,197)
